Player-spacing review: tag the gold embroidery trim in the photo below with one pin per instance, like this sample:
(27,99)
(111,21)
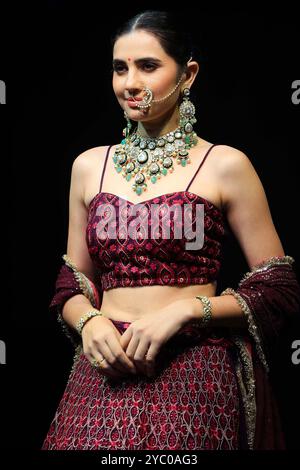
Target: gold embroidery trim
(83,280)
(245,376)
(252,327)
(86,289)
(267,264)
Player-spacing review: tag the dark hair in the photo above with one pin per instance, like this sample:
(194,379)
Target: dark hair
(169,30)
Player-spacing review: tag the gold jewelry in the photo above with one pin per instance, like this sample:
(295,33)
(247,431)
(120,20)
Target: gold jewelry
(146,158)
(207,313)
(94,363)
(97,364)
(148,96)
(87,316)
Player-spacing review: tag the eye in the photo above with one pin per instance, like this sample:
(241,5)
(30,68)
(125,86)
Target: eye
(148,66)
(118,68)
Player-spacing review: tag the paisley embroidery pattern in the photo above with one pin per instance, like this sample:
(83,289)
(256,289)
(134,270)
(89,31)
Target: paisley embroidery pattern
(191,403)
(126,262)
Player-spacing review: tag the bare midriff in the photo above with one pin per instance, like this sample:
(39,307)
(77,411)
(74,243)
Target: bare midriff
(131,303)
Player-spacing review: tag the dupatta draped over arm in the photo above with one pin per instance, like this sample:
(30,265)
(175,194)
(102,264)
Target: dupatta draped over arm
(269,295)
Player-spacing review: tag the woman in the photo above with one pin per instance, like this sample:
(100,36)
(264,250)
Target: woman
(162,362)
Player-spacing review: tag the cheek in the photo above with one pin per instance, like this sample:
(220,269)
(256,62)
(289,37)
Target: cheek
(117,86)
(162,86)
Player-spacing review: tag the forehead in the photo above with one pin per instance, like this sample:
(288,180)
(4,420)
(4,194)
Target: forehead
(139,43)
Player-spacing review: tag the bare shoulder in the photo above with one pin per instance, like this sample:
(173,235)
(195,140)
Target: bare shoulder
(86,161)
(230,161)
(86,170)
(237,177)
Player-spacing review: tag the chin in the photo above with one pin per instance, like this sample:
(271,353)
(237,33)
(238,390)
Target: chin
(138,115)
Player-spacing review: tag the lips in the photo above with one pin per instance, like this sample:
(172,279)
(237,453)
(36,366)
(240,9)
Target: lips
(134,99)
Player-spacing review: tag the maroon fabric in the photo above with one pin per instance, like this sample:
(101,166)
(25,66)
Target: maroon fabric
(191,403)
(91,406)
(268,432)
(66,286)
(273,296)
(121,260)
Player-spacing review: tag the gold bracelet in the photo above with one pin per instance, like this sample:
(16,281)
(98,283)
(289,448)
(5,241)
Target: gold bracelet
(87,316)
(207,312)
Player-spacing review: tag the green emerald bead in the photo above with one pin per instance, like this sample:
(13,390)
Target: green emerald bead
(183,162)
(153,179)
(164,171)
(128,177)
(187,139)
(119,169)
(115,159)
(139,190)
(123,141)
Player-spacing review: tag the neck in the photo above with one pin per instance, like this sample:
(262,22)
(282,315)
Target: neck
(166,123)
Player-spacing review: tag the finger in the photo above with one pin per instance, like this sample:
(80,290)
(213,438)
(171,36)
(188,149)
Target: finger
(111,360)
(105,368)
(125,338)
(132,347)
(151,357)
(139,356)
(110,372)
(117,357)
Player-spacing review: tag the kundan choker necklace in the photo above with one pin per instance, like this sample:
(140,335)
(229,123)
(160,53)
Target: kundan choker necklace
(147,159)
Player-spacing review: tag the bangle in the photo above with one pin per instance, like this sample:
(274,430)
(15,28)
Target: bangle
(207,312)
(87,316)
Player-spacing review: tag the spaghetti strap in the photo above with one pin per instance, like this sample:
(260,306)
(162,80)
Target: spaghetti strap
(203,160)
(106,156)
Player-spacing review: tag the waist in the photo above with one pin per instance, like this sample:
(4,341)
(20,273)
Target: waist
(167,275)
(188,336)
(131,303)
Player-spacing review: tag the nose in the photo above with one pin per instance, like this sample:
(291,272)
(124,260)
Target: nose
(133,84)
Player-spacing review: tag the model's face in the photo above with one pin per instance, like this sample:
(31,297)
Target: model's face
(140,61)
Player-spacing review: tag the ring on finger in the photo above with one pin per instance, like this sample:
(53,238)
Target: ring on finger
(96,364)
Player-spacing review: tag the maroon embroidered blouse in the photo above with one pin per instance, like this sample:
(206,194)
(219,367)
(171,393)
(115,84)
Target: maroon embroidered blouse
(122,260)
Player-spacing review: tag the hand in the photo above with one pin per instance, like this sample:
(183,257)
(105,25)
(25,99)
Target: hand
(144,337)
(101,339)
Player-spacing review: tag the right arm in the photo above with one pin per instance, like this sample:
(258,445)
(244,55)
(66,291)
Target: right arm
(77,249)
(100,338)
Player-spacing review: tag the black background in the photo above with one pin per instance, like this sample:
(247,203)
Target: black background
(56,63)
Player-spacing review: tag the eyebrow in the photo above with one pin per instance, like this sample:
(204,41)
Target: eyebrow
(137,61)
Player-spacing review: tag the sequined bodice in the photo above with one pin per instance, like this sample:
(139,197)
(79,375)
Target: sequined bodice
(143,260)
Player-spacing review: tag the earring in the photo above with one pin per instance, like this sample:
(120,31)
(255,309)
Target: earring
(187,114)
(127,129)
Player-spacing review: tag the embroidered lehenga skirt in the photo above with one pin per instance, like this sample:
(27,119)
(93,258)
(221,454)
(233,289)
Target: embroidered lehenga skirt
(191,403)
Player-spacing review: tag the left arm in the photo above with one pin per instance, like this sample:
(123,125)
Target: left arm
(269,293)
(246,208)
